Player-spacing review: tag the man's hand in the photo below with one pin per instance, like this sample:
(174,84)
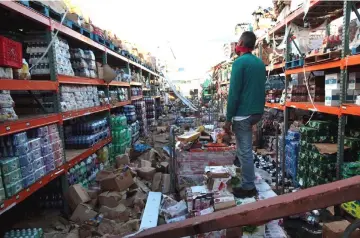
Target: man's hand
(227,127)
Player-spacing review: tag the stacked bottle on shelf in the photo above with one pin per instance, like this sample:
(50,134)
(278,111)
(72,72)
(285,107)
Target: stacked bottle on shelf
(83,63)
(79,97)
(140,109)
(85,134)
(36,47)
(28,156)
(150,110)
(136,91)
(119,94)
(31,233)
(121,133)
(7,104)
(85,172)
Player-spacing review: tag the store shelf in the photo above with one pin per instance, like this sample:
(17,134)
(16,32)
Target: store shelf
(22,195)
(121,84)
(83,112)
(40,85)
(319,107)
(350,109)
(79,80)
(275,67)
(156,96)
(315,67)
(74,157)
(133,98)
(275,106)
(146,89)
(135,84)
(120,104)
(27,123)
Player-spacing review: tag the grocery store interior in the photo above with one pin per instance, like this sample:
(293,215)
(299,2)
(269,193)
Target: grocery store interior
(202,119)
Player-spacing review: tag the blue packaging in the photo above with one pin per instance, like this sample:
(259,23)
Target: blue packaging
(45,139)
(36,154)
(13,189)
(41,131)
(29,180)
(12,177)
(27,170)
(9,164)
(39,173)
(19,138)
(34,143)
(48,159)
(21,149)
(50,167)
(26,159)
(38,163)
(46,149)
(52,128)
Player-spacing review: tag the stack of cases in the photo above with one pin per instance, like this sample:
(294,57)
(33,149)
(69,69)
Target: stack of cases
(315,168)
(317,88)
(78,97)
(150,110)
(123,94)
(332,89)
(86,134)
(7,104)
(291,153)
(141,117)
(297,93)
(27,159)
(83,63)
(36,47)
(121,135)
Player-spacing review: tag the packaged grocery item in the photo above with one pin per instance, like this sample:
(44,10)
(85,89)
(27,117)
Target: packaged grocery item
(52,129)
(13,189)
(12,177)
(40,132)
(45,139)
(46,149)
(50,167)
(34,143)
(58,154)
(57,145)
(40,172)
(36,154)
(59,162)
(6,73)
(28,180)
(54,137)
(38,163)
(6,100)
(7,114)
(48,159)
(2,194)
(27,170)
(27,158)
(21,149)
(9,164)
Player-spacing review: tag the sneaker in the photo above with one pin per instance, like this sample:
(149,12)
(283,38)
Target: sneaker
(242,193)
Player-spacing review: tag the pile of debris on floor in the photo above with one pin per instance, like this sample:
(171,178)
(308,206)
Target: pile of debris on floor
(116,203)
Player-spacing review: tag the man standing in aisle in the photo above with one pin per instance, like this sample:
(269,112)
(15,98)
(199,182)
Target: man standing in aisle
(245,107)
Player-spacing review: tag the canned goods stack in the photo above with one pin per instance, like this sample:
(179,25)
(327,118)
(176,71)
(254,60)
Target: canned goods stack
(28,156)
(150,110)
(86,134)
(121,134)
(141,117)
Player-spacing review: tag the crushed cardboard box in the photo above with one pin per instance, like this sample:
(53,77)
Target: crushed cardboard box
(117,182)
(78,194)
(146,173)
(145,163)
(118,213)
(122,160)
(111,199)
(83,212)
(156,182)
(165,183)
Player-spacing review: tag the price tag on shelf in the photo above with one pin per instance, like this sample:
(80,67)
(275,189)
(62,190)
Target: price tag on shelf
(293,106)
(313,109)
(27,123)
(8,128)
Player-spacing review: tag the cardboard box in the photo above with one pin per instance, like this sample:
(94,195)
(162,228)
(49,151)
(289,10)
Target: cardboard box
(100,70)
(354,80)
(118,213)
(165,183)
(93,193)
(122,160)
(224,203)
(83,212)
(117,182)
(145,163)
(102,175)
(146,173)
(332,81)
(78,194)
(156,183)
(336,230)
(165,167)
(111,199)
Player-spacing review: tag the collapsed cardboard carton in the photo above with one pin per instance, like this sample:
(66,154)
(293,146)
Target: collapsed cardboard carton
(133,196)
(78,194)
(336,230)
(102,174)
(156,182)
(93,193)
(217,177)
(224,203)
(146,173)
(122,160)
(165,183)
(118,213)
(145,163)
(83,212)
(117,182)
(165,167)
(111,199)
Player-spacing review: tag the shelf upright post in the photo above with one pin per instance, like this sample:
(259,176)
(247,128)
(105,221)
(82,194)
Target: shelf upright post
(57,109)
(343,83)
(286,117)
